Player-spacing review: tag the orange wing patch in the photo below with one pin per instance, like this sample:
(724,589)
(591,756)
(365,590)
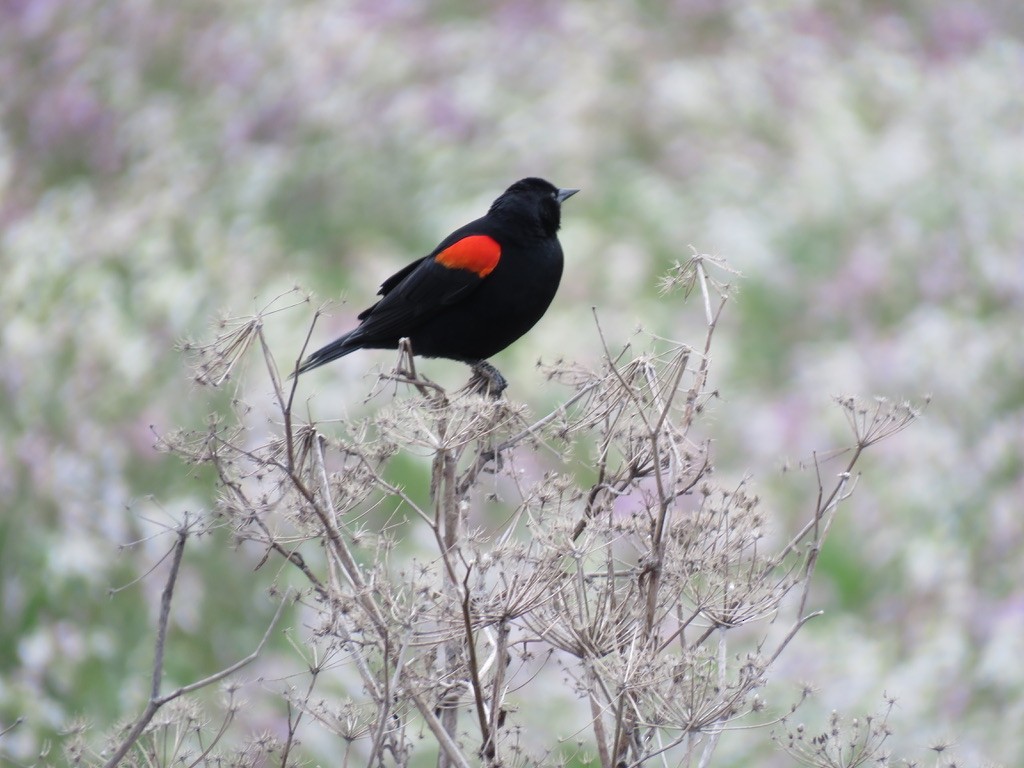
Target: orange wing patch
(477,253)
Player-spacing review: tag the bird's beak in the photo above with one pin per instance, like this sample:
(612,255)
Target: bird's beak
(565,194)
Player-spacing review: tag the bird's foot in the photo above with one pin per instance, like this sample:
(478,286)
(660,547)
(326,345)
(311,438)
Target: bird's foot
(486,381)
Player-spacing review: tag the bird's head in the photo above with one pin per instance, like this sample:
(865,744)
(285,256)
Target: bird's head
(534,200)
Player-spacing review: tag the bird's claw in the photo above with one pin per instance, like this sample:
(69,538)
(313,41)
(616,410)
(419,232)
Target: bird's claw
(486,381)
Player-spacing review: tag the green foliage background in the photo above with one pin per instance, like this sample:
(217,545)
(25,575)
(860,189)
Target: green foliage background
(861,163)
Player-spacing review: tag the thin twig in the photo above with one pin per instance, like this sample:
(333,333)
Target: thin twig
(156,701)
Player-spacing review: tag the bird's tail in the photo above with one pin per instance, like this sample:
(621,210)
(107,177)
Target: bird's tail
(337,348)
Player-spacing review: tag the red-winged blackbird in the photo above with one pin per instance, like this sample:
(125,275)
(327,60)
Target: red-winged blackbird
(482,288)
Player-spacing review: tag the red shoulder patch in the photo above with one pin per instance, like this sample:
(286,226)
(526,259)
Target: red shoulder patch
(477,253)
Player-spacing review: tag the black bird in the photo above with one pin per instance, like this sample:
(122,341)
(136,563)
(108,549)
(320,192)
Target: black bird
(482,288)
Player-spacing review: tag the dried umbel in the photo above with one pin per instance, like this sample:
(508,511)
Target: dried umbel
(843,743)
(625,577)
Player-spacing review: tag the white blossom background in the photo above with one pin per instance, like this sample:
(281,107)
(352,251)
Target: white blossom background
(861,163)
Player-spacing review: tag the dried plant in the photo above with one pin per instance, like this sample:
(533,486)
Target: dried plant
(651,588)
(861,741)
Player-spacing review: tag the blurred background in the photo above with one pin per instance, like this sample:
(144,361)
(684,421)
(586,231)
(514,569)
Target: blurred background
(861,163)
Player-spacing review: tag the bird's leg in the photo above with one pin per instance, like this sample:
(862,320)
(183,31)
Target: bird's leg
(486,380)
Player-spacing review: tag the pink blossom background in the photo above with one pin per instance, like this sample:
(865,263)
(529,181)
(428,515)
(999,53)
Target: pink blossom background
(862,165)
